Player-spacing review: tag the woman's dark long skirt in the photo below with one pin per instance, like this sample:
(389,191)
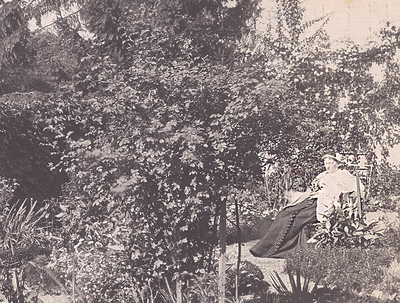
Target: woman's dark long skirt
(287,234)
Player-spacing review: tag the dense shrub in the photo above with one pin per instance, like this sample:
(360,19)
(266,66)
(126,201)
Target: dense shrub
(251,279)
(37,277)
(344,228)
(7,188)
(252,208)
(346,269)
(28,146)
(326,295)
(391,203)
(385,182)
(391,279)
(391,239)
(102,275)
(203,289)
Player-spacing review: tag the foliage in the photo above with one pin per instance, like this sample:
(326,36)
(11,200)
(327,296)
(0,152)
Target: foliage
(173,28)
(339,104)
(160,162)
(203,289)
(268,297)
(337,296)
(57,57)
(366,270)
(166,117)
(13,33)
(301,292)
(391,279)
(38,278)
(27,147)
(164,162)
(20,232)
(32,61)
(75,269)
(250,279)
(391,239)
(7,188)
(384,183)
(280,180)
(343,227)
(22,238)
(252,208)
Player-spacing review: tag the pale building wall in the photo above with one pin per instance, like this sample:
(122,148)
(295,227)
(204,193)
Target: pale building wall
(354,19)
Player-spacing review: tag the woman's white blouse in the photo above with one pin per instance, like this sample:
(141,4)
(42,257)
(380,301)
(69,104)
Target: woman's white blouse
(331,185)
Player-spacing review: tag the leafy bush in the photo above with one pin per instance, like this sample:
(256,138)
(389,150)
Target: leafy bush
(385,184)
(102,275)
(391,239)
(326,295)
(23,234)
(302,291)
(252,208)
(390,203)
(7,188)
(39,279)
(251,279)
(391,279)
(29,147)
(203,289)
(343,228)
(22,237)
(346,269)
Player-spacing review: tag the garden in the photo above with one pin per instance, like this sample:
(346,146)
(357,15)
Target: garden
(131,130)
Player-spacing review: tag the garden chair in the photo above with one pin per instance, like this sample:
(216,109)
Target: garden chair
(363,173)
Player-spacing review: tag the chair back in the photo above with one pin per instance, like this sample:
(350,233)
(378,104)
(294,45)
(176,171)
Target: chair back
(363,173)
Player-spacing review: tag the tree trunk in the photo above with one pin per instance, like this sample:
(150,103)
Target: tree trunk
(239,235)
(222,257)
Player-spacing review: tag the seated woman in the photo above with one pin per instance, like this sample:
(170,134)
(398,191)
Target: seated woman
(287,234)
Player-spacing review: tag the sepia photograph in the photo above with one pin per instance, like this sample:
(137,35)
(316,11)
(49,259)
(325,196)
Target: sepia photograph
(199,151)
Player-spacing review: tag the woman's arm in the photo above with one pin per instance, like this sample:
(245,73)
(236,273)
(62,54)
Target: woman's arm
(300,198)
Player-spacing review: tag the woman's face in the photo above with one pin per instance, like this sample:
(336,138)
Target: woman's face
(330,165)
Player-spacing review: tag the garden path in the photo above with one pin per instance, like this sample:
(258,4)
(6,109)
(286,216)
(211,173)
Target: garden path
(267,265)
